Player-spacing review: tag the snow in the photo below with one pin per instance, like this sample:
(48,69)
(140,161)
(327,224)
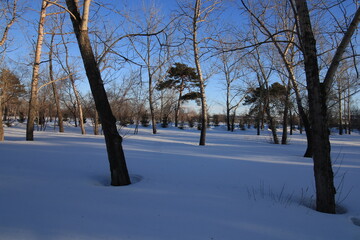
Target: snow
(238,186)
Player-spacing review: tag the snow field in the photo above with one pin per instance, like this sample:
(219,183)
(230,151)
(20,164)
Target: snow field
(238,186)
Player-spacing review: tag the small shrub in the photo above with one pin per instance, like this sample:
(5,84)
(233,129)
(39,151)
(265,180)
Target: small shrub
(21,117)
(191,122)
(165,122)
(145,120)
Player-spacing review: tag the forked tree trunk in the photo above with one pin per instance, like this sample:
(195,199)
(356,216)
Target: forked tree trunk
(324,177)
(317,95)
(118,168)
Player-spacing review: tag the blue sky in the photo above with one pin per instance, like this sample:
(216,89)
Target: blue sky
(23,35)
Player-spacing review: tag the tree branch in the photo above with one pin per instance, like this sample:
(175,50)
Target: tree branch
(329,77)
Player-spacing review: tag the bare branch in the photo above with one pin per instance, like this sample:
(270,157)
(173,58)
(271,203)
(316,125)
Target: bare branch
(9,24)
(56,80)
(329,77)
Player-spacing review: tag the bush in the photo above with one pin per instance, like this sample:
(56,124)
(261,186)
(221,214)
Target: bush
(21,117)
(165,122)
(145,120)
(191,122)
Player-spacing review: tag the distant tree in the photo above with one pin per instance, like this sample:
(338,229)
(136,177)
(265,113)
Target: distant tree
(181,78)
(274,97)
(281,18)
(152,49)
(9,14)
(69,70)
(11,90)
(53,85)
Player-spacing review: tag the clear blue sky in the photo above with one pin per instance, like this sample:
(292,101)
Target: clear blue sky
(23,35)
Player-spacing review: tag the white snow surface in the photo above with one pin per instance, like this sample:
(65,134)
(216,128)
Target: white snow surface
(238,186)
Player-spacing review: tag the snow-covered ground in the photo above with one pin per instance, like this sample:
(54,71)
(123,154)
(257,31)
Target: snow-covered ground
(238,186)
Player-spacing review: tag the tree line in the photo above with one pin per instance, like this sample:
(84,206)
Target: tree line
(289,61)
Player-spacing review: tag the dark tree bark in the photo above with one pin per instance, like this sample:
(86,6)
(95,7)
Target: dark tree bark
(318,93)
(324,177)
(96,123)
(286,114)
(178,105)
(118,168)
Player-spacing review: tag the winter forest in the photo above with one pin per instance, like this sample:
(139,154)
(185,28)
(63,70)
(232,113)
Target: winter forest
(179,119)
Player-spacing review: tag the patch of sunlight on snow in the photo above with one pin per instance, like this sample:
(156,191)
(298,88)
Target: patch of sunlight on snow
(163,140)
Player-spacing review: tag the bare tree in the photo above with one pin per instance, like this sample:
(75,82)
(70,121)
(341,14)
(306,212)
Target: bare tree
(152,50)
(231,66)
(71,73)
(318,93)
(35,74)
(10,20)
(283,40)
(118,168)
(199,15)
(53,85)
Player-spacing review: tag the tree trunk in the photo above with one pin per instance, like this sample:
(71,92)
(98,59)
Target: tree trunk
(285,125)
(291,122)
(35,75)
(272,125)
(304,121)
(58,110)
(1,122)
(177,110)
(96,123)
(199,72)
(348,112)
(340,114)
(228,106)
(317,96)
(268,112)
(116,157)
(152,109)
(79,107)
(286,113)
(56,95)
(151,89)
(6,112)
